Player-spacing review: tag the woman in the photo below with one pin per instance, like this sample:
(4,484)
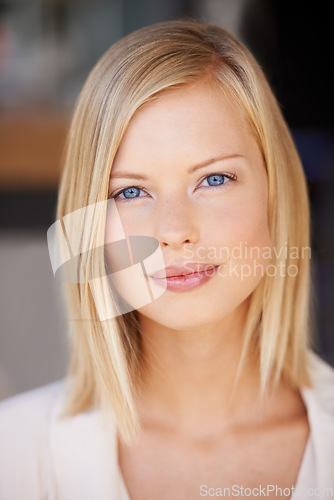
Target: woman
(200,367)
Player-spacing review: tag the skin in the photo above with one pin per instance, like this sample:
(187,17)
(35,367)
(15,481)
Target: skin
(193,433)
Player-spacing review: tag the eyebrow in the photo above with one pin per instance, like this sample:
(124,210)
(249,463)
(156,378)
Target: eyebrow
(210,161)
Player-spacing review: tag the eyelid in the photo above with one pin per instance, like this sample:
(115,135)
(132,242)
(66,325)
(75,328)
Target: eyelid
(114,194)
(230,176)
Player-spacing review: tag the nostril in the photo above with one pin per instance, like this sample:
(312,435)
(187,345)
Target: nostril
(164,244)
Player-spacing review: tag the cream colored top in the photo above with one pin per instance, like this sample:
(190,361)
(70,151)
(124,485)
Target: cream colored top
(43,457)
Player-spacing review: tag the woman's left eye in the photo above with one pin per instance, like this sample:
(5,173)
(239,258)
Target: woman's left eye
(217,179)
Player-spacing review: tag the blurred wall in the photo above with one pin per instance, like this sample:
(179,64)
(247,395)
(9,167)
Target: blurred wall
(47,48)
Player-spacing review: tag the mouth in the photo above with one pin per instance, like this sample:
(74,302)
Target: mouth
(184,278)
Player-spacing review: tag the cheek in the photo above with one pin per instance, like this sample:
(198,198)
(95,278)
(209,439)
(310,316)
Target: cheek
(240,221)
(134,221)
(238,237)
(251,224)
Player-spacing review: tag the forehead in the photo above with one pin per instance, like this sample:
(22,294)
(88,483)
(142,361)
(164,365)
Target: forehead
(196,116)
(201,100)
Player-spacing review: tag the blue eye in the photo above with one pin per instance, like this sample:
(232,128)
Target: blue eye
(218,179)
(129,193)
(215,180)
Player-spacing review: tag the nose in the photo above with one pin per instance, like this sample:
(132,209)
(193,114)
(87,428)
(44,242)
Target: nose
(176,224)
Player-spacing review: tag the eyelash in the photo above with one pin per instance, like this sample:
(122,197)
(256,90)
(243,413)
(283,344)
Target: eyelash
(232,177)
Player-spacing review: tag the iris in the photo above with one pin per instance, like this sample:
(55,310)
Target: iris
(215,179)
(131,192)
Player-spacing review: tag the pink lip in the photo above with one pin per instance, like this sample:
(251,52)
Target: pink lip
(184,278)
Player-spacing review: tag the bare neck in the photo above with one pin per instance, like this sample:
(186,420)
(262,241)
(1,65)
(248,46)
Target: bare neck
(189,375)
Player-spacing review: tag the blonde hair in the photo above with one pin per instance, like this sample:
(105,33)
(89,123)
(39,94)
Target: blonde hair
(105,362)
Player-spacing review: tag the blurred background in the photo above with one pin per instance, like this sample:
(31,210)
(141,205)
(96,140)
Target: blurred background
(47,48)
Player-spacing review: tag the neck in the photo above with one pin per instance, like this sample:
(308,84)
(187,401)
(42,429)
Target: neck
(188,376)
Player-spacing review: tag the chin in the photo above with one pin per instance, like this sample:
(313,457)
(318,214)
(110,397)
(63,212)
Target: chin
(189,317)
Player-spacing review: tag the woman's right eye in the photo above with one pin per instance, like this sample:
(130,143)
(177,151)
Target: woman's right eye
(128,193)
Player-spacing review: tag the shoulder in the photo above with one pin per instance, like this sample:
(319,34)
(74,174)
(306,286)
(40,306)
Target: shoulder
(29,403)
(24,420)
(26,412)
(319,401)
(44,455)
(321,395)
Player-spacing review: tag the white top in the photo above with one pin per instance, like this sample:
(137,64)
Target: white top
(43,457)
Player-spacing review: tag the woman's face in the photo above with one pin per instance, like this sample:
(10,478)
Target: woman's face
(195,180)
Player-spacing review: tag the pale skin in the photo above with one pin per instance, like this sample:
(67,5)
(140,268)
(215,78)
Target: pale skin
(193,434)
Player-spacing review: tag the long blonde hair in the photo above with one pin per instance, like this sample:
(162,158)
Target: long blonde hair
(105,355)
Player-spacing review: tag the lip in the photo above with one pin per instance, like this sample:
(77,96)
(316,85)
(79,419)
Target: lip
(184,278)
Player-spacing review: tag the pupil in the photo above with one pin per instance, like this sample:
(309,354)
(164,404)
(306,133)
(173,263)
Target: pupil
(131,192)
(215,180)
